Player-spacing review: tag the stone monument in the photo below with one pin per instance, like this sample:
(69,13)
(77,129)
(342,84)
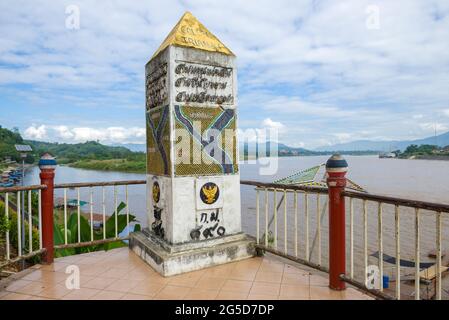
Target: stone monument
(193,181)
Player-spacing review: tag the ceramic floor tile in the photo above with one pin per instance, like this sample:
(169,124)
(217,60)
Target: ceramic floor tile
(271,267)
(239,286)
(211,283)
(17,284)
(147,288)
(81,294)
(292,269)
(248,275)
(98,283)
(275,277)
(115,273)
(54,292)
(353,294)
(122,285)
(295,291)
(132,296)
(317,280)
(269,288)
(201,294)
(107,295)
(324,293)
(56,266)
(16,296)
(296,278)
(228,295)
(34,288)
(172,293)
(120,274)
(262,297)
(185,280)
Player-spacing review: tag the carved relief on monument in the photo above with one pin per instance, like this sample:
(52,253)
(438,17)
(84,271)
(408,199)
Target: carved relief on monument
(203,84)
(209,213)
(158,141)
(156,85)
(205,141)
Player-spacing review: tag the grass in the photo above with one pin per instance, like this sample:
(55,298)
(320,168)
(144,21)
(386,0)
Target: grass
(123,165)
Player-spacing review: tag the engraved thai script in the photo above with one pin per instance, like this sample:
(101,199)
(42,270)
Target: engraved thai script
(200,83)
(203,70)
(156,85)
(203,97)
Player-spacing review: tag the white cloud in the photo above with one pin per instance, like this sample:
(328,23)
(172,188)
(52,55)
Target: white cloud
(37,133)
(313,65)
(83,134)
(432,127)
(268,123)
(343,137)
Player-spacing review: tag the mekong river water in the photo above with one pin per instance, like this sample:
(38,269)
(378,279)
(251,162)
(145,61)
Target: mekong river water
(425,180)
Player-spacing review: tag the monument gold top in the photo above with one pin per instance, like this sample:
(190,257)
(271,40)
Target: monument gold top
(189,32)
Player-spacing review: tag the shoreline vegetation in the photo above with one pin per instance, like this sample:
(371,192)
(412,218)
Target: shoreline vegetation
(121,165)
(424,152)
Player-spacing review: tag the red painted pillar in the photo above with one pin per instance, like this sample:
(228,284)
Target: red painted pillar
(47,165)
(336,168)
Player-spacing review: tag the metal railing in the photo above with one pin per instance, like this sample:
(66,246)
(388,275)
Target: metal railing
(291,221)
(79,241)
(23,248)
(300,231)
(26,229)
(407,227)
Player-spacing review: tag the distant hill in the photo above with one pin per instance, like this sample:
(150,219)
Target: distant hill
(441,140)
(67,152)
(8,140)
(251,149)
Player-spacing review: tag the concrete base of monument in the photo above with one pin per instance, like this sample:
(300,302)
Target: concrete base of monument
(169,259)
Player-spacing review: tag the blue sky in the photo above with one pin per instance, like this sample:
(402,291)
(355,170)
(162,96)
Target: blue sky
(321,72)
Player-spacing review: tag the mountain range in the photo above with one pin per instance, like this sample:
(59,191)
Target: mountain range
(441,140)
(356,146)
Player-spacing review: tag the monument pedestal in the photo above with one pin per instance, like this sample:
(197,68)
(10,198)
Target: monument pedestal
(171,259)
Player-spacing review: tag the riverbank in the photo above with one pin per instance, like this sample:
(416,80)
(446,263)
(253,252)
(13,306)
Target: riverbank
(429,157)
(120,165)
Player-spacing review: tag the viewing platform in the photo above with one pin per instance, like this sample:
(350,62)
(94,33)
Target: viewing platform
(292,254)
(119,274)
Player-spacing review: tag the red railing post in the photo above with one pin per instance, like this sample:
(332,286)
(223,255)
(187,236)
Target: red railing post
(336,168)
(47,165)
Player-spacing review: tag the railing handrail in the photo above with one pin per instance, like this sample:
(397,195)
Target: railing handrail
(437,207)
(99,184)
(23,188)
(426,205)
(292,187)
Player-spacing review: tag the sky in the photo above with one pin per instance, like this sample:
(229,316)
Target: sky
(320,72)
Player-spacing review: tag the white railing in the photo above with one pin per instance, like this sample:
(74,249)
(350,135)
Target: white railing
(290,220)
(384,235)
(404,231)
(19,201)
(27,230)
(101,236)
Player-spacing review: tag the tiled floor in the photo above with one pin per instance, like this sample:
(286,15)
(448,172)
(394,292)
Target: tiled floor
(120,274)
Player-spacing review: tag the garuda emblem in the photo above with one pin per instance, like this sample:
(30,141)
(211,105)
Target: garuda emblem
(209,193)
(156,192)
